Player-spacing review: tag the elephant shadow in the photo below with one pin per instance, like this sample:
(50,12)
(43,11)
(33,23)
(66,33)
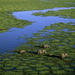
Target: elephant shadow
(32,52)
(39,46)
(17,52)
(55,56)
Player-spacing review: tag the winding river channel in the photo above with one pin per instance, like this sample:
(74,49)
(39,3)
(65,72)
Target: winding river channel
(9,40)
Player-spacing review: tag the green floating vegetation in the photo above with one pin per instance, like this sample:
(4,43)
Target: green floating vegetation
(43,72)
(68,69)
(6,59)
(66,66)
(25,59)
(8,64)
(47,27)
(49,64)
(41,68)
(25,62)
(28,70)
(42,31)
(33,60)
(59,72)
(39,65)
(36,34)
(32,65)
(60,62)
(54,68)
(41,62)
(11,73)
(21,67)
(69,13)
(32,42)
(12,57)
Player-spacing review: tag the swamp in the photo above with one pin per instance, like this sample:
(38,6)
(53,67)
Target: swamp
(29,24)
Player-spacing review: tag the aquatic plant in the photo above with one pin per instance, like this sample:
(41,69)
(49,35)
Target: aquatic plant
(66,13)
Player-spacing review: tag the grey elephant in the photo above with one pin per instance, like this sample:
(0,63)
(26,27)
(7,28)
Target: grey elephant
(64,55)
(22,51)
(44,51)
(41,51)
(45,46)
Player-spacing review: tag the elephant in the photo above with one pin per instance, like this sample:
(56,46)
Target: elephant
(51,54)
(42,51)
(64,55)
(45,46)
(22,51)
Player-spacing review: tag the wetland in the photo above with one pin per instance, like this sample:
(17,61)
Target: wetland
(39,22)
(29,27)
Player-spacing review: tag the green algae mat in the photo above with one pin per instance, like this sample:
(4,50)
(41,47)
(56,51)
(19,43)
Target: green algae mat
(31,63)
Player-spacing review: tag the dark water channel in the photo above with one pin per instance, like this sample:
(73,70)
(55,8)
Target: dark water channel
(9,40)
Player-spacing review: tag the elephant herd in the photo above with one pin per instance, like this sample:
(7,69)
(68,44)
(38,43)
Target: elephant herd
(44,51)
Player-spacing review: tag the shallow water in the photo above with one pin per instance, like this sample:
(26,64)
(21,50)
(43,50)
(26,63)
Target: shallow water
(9,40)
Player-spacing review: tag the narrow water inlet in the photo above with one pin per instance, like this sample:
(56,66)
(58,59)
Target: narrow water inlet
(9,40)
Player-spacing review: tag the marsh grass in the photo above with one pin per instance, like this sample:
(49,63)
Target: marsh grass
(30,62)
(63,0)
(69,13)
(7,20)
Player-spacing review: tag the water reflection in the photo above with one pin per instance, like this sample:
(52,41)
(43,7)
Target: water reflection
(8,40)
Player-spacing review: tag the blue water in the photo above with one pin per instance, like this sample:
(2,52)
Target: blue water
(9,40)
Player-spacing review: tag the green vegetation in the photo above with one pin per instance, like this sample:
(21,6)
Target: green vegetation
(63,1)
(66,13)
(28,62)
(59,40)
(7,7)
